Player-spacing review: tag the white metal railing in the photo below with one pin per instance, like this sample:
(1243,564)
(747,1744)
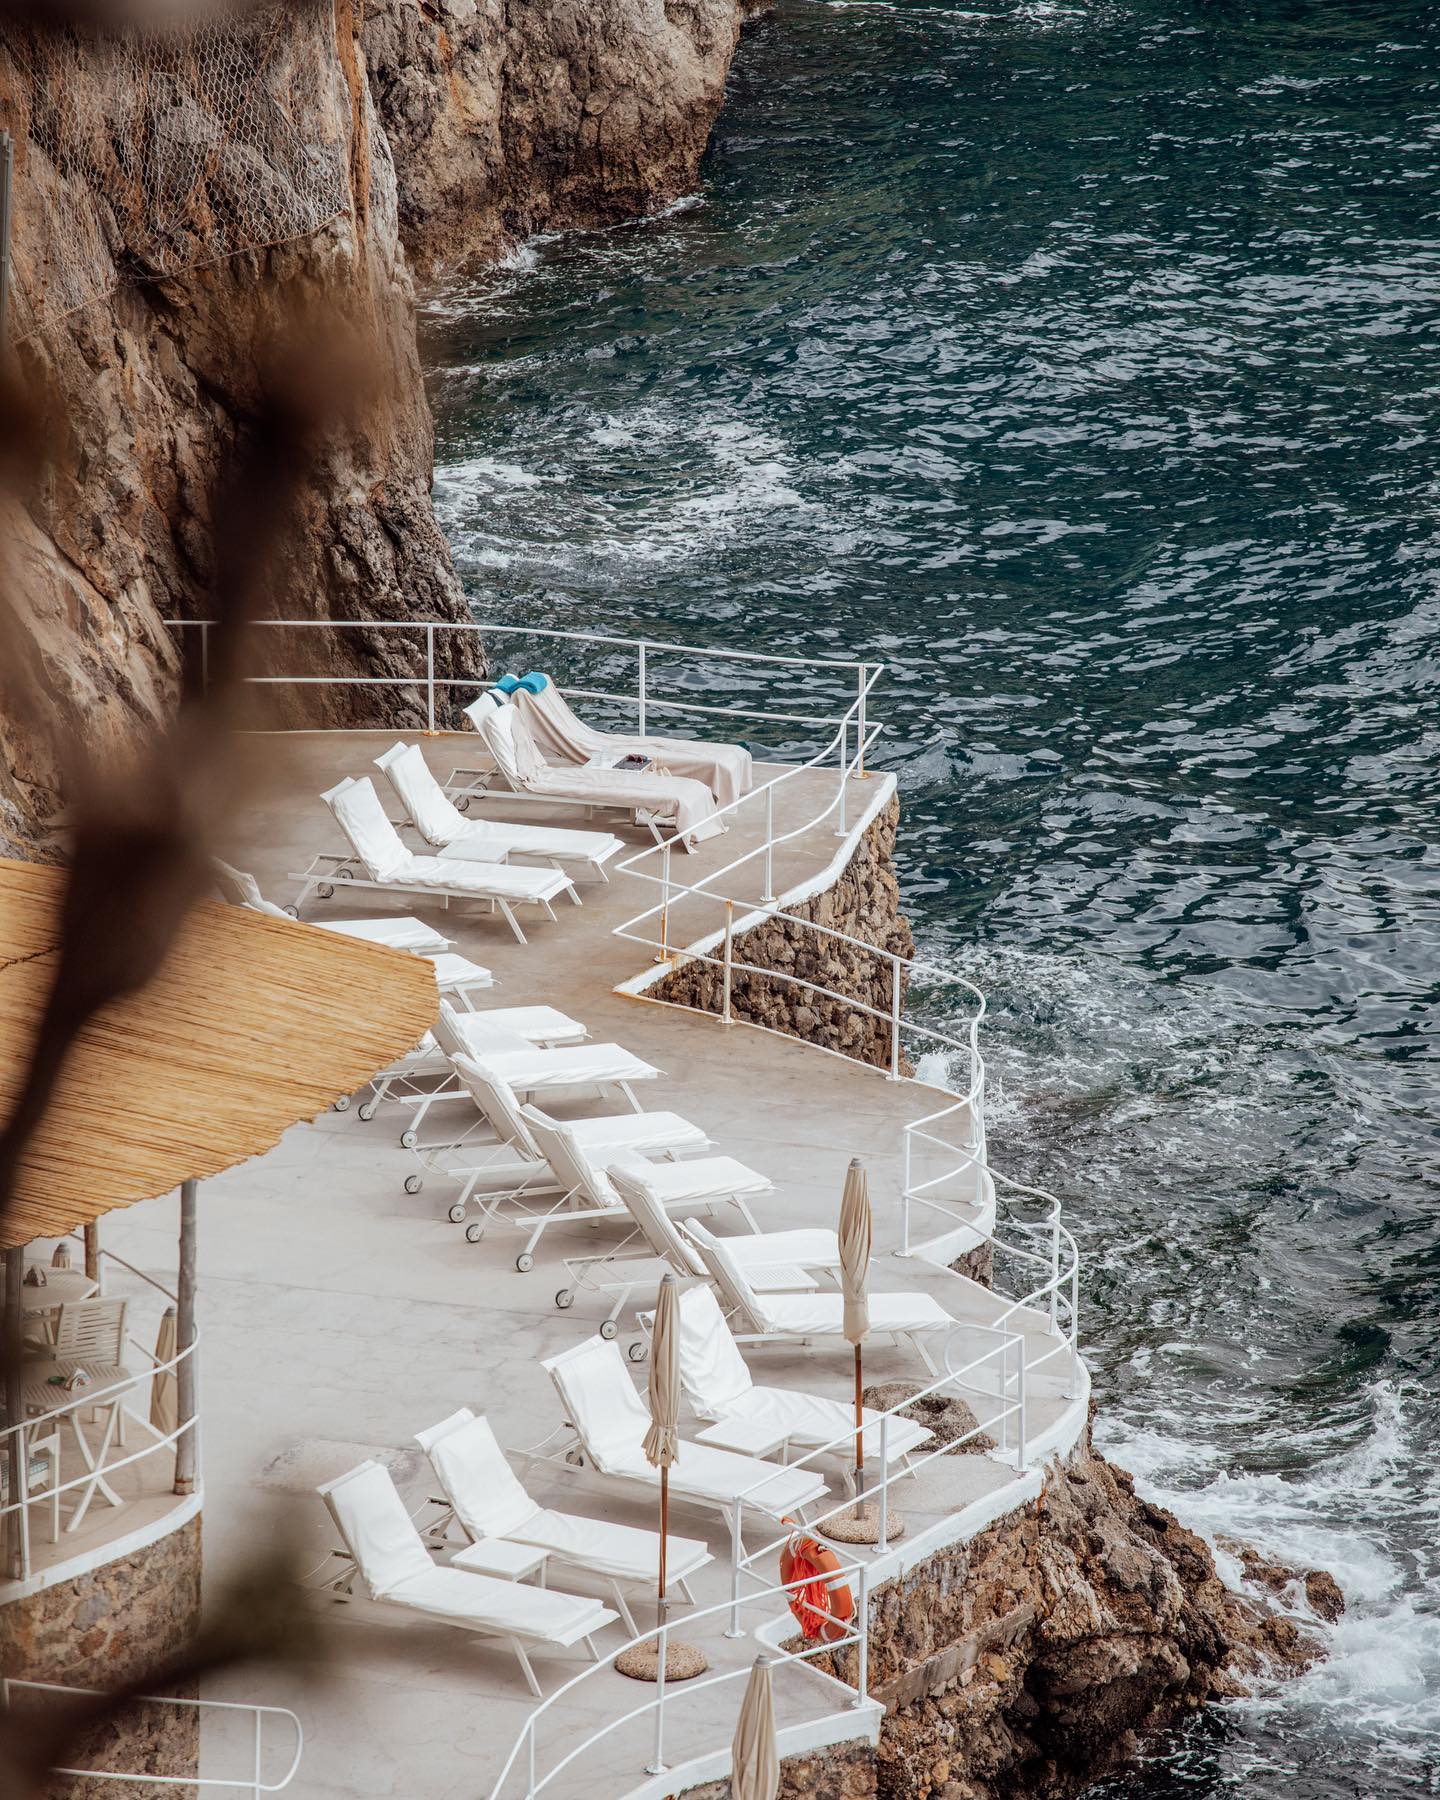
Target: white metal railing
(524,1758)
(44,1428)
(645,699)
(253,1783)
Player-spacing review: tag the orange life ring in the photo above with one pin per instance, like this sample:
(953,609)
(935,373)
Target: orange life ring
(823,1607)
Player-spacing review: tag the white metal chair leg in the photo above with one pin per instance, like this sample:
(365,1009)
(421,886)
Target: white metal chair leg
(623,1608)
(503,907)
(524,1662)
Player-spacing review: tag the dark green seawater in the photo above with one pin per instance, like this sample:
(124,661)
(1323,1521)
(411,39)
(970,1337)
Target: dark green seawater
(1081,363)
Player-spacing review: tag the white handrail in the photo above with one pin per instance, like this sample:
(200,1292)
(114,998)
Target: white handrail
(254,1783)
(660,1635)
(644,699)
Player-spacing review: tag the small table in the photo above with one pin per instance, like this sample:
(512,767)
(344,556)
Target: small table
(62,1288)
(499,1557)
(610,759)
(41,1396)
(753,1437)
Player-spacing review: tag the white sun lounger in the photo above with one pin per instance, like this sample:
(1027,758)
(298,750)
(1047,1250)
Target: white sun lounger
(775,1261)
(441,823)
(726,769)
(650,798)
(511,1168)
(720,1387)
(414,935)
(610,1420)
(479,1029)
(387,1552)
(796,1318)
(699,1181)
(390,868)
(487,1500)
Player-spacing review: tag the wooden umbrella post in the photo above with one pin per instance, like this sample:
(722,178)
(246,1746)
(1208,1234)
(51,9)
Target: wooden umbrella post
(859,1435)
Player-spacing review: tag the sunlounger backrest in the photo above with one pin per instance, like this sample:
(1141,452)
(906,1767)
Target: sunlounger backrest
(437,818)
(378,1532)
(711,1367)
(496,1099)
(725,1272)
(572,1167)
(478,1481)
(627,1177)
(370,834)
(601,1403)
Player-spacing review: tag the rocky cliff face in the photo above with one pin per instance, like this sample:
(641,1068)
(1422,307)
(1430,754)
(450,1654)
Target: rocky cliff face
(451,127)
(154,379)
(509,117)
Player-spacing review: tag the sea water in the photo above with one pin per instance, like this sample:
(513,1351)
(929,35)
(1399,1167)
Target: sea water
(1079,362)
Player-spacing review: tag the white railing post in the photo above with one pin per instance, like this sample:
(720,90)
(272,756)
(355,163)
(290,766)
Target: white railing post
(840,827)
(530,1778)
(769,894)
(204,656)
(894,1016)
(862,1637)
(729,959)
(909,1143)
(258,1740)
(1020,1424)
(664,902)
(860,722)
(429,678)
(657,1767)
(1054,1266)
(884,1543)
(737,1551)
(640,689)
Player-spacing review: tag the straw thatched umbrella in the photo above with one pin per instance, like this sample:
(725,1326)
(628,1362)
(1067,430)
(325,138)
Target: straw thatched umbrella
(856,1234)
(754,1757)
(662,1447)
(164,1390)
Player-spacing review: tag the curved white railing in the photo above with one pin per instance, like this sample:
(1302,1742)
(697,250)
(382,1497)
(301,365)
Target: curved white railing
(39,1436)
(254,1783)
(524,1754)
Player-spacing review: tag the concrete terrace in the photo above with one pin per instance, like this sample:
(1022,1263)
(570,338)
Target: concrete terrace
(341,1314)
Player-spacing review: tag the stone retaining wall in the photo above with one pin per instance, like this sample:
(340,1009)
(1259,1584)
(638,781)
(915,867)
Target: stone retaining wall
(841,1772)
(107,1627)
(863,903)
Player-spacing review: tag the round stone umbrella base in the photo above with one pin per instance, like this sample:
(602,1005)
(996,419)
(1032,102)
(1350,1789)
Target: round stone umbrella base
(683,1662)
(862,1527)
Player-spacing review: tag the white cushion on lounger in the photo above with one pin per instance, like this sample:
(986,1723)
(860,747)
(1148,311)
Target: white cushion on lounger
(699,1179)
(532,1070)
(440,821)
(396,1567)
(461,1597)
(394,934)
(477,878)
(718,1380)
(622,1131)
(612,1421)
(489,1501)
(373,838)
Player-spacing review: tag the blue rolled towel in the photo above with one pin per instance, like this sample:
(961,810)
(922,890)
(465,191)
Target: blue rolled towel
(535,682)
(507,685)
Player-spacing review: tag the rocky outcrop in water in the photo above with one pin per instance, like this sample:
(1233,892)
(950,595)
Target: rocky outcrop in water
(1039,1656)
(512,119)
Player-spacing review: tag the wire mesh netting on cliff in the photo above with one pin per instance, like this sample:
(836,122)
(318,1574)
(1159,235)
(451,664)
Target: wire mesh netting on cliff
(145,154)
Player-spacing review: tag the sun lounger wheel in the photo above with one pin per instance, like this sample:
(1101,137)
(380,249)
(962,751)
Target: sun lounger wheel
(524,1262)
(462,803)
(638,1351)
(474,1231)
(367,1111)
(565,1299)
(324,890)
(343,1105)
(408,1140)
(414,1183)
(609,1329)
(294,911)
(457,1213)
